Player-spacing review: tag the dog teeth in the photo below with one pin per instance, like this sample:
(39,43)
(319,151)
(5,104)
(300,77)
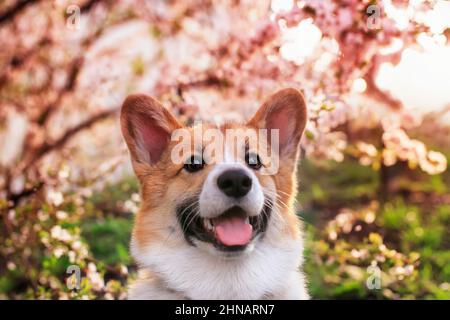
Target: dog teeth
(247,220)
(208,225)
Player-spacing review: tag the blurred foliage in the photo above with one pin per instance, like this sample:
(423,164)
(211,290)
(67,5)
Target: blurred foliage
(108,239)
(404,241)
(90,231)
(352,236)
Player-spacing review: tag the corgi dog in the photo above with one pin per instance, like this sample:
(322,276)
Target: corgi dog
(225,228)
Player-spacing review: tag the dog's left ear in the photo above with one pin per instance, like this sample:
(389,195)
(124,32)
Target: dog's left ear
(285,111)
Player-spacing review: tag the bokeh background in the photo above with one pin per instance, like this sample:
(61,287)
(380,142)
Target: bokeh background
(375,188)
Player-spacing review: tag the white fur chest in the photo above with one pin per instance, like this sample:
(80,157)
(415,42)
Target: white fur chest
(269,271)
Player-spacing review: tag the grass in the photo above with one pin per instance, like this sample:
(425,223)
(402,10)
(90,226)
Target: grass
(109,239)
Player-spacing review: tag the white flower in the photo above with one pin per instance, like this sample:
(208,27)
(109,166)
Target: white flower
(135,197)
(42,216)
(58,252)
(11,215)
(11,266)
(95,279)
(61,234)
(434,163)
(55,197)
(61,215)
(72,256)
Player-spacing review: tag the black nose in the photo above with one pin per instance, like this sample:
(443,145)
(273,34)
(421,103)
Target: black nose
(234,183)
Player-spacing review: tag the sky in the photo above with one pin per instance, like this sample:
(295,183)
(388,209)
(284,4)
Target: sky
(421,81)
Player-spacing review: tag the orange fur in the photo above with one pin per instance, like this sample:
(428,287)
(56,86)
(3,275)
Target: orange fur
(165,184)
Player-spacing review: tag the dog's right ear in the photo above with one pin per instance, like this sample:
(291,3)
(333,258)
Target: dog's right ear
(146,127)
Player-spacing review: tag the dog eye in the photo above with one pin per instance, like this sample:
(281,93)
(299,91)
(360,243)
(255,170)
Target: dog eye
(194,163)
(253,160)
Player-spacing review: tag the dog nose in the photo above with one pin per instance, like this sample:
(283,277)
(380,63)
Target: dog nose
(234,183)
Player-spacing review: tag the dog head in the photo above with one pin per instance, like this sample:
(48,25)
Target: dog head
(220,200)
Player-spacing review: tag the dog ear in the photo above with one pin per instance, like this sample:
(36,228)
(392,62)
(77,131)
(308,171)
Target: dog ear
(146,127)
(286,111)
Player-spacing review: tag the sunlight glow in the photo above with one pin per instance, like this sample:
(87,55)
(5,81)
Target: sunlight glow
(439,18)
(399,15)
(300,41)
(420,80)
(359,85)
(278,6)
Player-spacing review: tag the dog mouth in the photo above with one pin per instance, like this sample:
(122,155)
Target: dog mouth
(233,230)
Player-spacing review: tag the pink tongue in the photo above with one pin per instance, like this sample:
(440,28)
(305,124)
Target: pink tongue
(233,231)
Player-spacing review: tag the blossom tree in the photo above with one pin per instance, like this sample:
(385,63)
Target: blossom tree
(66,67)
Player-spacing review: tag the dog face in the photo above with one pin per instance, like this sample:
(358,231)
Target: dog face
(221,202)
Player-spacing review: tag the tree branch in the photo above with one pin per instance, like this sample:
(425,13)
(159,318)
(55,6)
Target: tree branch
(15,197)
(12,12)
(59,143)
(89,5)
(73,72)
(373,90)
